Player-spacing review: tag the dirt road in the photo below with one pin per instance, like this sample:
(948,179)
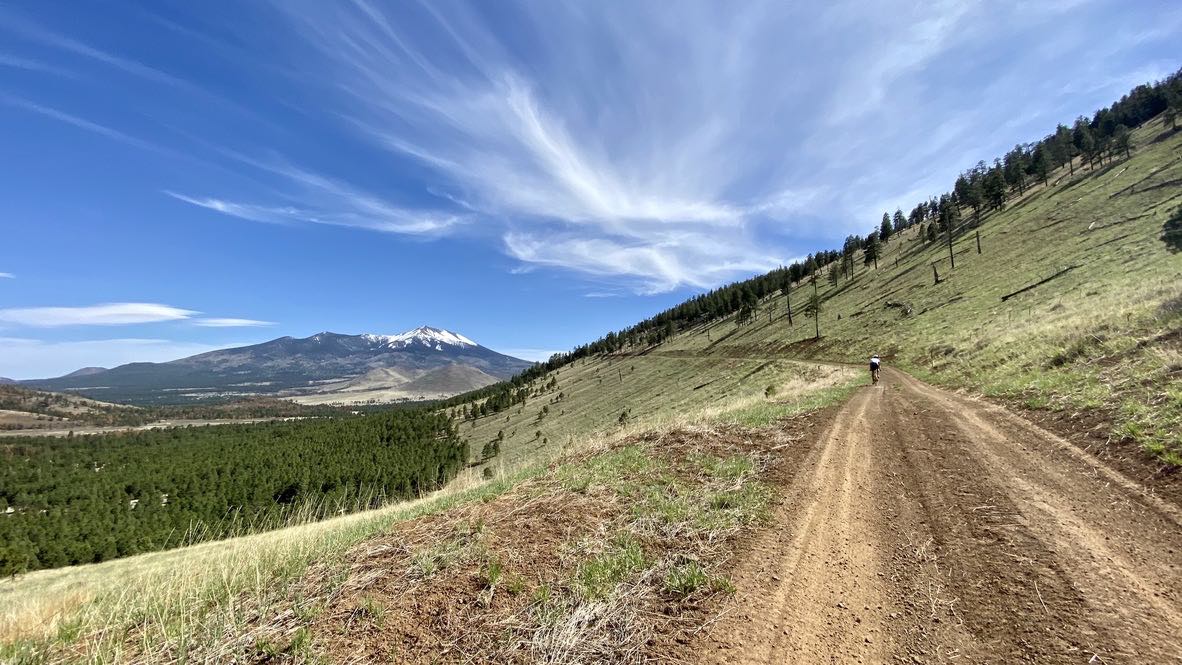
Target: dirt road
(924,526)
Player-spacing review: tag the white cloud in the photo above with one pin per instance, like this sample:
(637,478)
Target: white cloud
(648,149)
(37,359)
(7,275)
(32,65)
(82,123)
(359,212)
(631,173)
(231,323)
(659,263)
(109,314)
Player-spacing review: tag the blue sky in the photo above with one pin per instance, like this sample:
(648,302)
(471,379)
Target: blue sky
(180,176)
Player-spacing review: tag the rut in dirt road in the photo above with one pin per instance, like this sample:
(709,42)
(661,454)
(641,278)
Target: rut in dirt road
(924,526)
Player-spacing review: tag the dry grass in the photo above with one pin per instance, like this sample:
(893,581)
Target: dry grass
(596,560)
(1105,337)
(171,606)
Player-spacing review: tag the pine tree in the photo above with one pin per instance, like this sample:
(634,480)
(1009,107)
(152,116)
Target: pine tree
(1082,139)
(1171,232)
(813,308)
(884,229)
(1123,140)
(994,186)
(1015,169)
(1040,164)
(870,252)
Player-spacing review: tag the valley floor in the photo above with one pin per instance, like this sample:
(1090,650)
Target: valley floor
(924,526)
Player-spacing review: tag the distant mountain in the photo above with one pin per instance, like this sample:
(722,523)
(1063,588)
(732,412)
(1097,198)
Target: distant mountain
(289,366)
(449,380)
(85,371)
(4,380)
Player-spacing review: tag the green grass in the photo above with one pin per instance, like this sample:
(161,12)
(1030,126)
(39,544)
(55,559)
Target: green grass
(1103,336)
(598,576)
(761,414)
(654,390)
(207,594)
(194,595)
(686,579)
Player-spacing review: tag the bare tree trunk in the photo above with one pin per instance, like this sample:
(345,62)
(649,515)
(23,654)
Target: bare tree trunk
(978,242)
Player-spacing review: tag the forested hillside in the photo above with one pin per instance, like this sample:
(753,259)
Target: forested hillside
(87,499)
(1099,199)
(50,409)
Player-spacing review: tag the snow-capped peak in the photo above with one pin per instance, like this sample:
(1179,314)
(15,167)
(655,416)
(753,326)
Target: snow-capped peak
(434,338)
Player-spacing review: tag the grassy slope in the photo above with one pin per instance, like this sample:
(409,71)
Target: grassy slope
(653,389)
(1096,337)
(166,602)
(1103,337)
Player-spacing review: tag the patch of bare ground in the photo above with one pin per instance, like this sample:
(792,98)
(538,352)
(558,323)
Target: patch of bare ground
(618,556)
(1092,430)
(925,526)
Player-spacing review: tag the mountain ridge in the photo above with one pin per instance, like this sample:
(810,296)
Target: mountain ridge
(289,366)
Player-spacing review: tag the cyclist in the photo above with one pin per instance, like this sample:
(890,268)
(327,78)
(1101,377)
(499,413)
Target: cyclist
(874,364)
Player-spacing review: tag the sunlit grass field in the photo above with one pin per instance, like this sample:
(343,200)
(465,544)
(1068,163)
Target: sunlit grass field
(616,394)
(1105,335)
(156,607)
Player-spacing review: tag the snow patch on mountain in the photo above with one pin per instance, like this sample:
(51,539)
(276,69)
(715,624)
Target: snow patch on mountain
(432,338)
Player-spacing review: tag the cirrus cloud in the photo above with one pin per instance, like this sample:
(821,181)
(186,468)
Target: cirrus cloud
(108,314)
(231,323)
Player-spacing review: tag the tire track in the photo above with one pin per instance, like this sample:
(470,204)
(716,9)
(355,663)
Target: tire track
(924,526)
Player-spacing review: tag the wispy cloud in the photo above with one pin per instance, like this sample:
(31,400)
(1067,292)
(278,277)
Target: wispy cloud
(109,314)
(7,275)
(231,323)
(38,359)
(656,264)
(82,123)
(360,212)
(20,25)
(28,64)
(643,148)
(631,177)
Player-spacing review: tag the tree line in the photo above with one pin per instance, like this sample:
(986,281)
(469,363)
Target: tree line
(67,501)
(1106,135)
(76,410)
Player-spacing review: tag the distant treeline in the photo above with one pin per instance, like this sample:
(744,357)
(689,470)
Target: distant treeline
(87,499)
(1106,135)
(80,411)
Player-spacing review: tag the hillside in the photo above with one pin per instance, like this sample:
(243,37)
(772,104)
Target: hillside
(22,409)
(1094,349)
(730,490)
(287,367)
(384,385)
(1103,339)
